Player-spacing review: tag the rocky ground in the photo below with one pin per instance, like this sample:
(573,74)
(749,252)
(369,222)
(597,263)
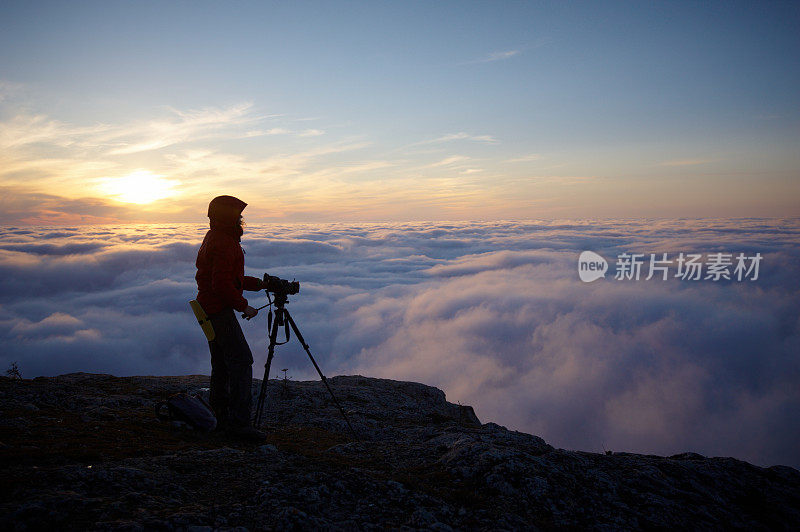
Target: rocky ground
(85,452)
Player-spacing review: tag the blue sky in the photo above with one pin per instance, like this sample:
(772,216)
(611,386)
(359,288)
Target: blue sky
(491,110)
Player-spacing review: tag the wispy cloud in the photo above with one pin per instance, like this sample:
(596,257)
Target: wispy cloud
(449,161)
(525,158)
(283,131)
(461,135)
(204,166)
(277,131)
(494,56)
(186,126)
(24,130)
(311,133)
(178,127)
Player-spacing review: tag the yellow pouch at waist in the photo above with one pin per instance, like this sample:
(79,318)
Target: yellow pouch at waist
(203,320)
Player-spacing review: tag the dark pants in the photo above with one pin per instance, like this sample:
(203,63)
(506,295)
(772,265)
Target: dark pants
(231,371)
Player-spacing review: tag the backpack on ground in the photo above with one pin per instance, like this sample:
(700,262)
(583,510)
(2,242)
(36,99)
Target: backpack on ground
(189,409)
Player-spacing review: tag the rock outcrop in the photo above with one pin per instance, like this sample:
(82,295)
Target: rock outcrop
(85,452)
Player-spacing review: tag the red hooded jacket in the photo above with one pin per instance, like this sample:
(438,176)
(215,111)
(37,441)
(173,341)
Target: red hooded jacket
(220,272)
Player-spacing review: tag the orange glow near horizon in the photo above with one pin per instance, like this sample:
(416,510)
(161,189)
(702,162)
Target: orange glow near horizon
(140,187)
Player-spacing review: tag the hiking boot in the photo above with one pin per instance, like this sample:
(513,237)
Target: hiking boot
(246,433)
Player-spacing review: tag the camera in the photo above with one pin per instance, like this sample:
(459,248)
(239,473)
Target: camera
(280,286)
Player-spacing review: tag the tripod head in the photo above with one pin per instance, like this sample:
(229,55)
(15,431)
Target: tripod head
(280,300)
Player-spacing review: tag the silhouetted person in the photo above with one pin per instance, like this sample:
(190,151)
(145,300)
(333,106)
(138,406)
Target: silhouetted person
(220,281)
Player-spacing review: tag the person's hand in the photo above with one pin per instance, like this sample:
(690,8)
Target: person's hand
(249,312)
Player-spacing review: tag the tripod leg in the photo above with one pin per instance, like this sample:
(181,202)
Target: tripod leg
(273,337)
(299,336)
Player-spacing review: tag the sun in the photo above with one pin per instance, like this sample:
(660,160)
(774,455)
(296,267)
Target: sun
(139,187)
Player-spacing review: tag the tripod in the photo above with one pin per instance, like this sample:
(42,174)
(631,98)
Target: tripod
(284,319)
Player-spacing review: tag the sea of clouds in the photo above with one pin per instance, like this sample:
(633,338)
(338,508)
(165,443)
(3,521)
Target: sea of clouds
(493,313)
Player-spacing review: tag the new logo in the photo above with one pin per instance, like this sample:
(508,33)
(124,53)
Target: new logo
(591,266)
